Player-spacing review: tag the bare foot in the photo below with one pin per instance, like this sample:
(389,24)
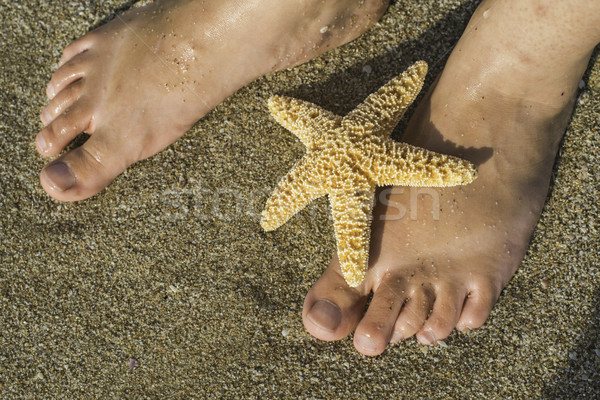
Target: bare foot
(141,81)
(503,101)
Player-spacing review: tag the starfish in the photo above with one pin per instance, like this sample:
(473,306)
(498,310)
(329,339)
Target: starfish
(348,157)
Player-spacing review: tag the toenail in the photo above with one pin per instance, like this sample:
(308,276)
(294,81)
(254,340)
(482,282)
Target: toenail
(41,143)
(427,338)
(46,117)
(366,343)
(325,314)
(397,337)
(60,176)
(50,91)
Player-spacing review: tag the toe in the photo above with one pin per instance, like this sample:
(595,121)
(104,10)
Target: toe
(61,102)
(413,314)
(477,308)
(75,48)
(68,73)
(332,308)
(56,135)
(375,329)
(86,170)
(444,316)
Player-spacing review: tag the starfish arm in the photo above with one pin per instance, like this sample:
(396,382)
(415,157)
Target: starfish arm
(352,213)
(402,164)
(382,110)
(302,118)
(298,188)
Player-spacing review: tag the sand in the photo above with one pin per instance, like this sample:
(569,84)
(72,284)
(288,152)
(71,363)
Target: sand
(164,286)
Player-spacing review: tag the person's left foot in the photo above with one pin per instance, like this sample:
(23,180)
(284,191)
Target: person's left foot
(431,272)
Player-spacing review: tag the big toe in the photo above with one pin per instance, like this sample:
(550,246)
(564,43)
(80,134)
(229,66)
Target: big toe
(332,309)
(86,170)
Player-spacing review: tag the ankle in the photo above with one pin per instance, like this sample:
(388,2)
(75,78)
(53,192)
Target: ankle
(531,50)
(552,33)
(323,25)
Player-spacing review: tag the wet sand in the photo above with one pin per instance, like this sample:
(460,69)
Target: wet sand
(165,286)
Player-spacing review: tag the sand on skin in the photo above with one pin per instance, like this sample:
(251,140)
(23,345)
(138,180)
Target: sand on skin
(170,267)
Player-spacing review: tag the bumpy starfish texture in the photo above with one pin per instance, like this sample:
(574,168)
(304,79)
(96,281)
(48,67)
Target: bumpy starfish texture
(348,157)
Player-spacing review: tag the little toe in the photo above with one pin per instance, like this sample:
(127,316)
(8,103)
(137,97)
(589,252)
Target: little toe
(477,308)
(68,73)
(61,102)
(332,308)
(58,133)
(374,331)
(86,170)
(75,48)
(413,314)
(444,316)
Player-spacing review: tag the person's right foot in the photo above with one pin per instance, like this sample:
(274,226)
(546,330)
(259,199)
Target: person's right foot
(141,81)
(502,102)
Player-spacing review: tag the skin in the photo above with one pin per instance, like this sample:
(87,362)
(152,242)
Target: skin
(503,101)
(175,60)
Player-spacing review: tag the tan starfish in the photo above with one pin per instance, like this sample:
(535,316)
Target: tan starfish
(348,157)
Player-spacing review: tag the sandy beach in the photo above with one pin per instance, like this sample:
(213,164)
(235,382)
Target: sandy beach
(164,286)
